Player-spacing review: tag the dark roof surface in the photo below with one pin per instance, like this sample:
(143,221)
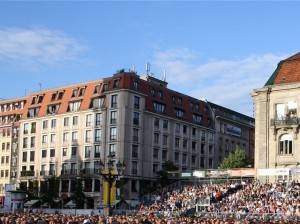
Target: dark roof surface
(287,71)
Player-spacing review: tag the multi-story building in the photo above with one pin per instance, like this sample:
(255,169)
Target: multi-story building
(64,132)
(233,130)
(10,114)
(276,118)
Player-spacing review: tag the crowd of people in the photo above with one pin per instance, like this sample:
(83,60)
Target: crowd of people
(223,203)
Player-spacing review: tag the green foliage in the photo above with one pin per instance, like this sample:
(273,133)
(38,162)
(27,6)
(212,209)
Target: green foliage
(162,175)
(78,196)
(50,191)
(238,159)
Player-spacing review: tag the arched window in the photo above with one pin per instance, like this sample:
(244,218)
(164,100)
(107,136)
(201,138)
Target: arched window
(286,144)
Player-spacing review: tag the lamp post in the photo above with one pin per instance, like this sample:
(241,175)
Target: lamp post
(110,176)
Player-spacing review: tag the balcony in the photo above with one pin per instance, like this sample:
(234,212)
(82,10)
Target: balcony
(27,173)
(68,172)
(285,122)
(47,172)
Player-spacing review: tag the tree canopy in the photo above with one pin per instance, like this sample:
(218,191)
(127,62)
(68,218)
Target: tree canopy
(236,159)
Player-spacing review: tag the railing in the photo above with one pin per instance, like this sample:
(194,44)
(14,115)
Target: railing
(47,172)
(27,173)
(286,121)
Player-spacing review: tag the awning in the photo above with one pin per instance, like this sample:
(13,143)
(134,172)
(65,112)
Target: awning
(70,204)
(30,203)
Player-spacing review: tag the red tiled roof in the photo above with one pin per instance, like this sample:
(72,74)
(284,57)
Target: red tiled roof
(287,71)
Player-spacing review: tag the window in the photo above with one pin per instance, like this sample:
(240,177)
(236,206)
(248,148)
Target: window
(165,139)
(177,142)
(184,158)
(98,119)
(197,107)
(87,152)
(74,93)
(112,149)
(44,153)
(113,133)
(32,142)
(135,85)
(97,151)
(64,151)
(155,168)
(8,146)
(193,159)
(7,159)
(45,124)
(136,118)
(156,122)
(75,120)
(81,92)
(179,101)
(292,109)
(179,113)
(97,89)
(88,120)
(113,117)
(33,127)
(286,144)
(53,138)
(26,128)
(66,136)
(52,152)
(165,124)
(60,95)
(160,95)
(192,105)
(52,109)
(74,136)
(155,153)
(184,143)
(74,151)
(116,83)
(88,136)
(25,142)
(74,106)
(97,103)
(135,151)
(24,157)
(203,135)
(164,154)
(114,101)
(134,167)
(105,87)
(210,136)
(53,97)
(135,136)
(53,123)
(152,92)
(194,144)
(194,131)
(97,135)
(159,107)
(156,137)
(176,156)
(3,146)
(197,118)
(136,102)
(184,129)
(66,121)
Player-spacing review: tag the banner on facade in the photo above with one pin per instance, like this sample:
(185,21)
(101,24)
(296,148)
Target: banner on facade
(295,171)
(232,130)
(199,173)
(244,172)
(273,172)
(217,173)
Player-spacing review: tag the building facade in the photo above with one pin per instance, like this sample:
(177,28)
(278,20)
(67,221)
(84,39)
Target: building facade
(276,119)
(65,132)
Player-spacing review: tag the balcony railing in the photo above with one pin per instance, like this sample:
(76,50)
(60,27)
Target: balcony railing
(286,121)
(47,172)
(27,173)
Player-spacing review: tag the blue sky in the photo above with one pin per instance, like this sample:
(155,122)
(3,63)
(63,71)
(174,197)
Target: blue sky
(217,50)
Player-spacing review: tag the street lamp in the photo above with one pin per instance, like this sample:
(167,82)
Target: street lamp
(109,176)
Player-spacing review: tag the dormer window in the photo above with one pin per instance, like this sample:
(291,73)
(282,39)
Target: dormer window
(41,97)
(159,93)
(174,99)
(135,85)
(33,100)
(81,91)
(179,100)
(53,96)
(74,92)
(97,89)
(60,95)
(105,87)
(52,109)
(152,92)
(116,83)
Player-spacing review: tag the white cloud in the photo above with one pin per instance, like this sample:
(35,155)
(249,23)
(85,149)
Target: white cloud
(36,47)
(228,83)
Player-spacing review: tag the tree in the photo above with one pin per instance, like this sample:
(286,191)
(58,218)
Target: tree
(50,191)
(238,159)
(162,175)
(78,196)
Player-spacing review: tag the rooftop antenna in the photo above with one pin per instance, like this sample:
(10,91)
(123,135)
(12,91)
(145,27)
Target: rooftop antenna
(133,68)
(164,76)
(40,84)
(147,68)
